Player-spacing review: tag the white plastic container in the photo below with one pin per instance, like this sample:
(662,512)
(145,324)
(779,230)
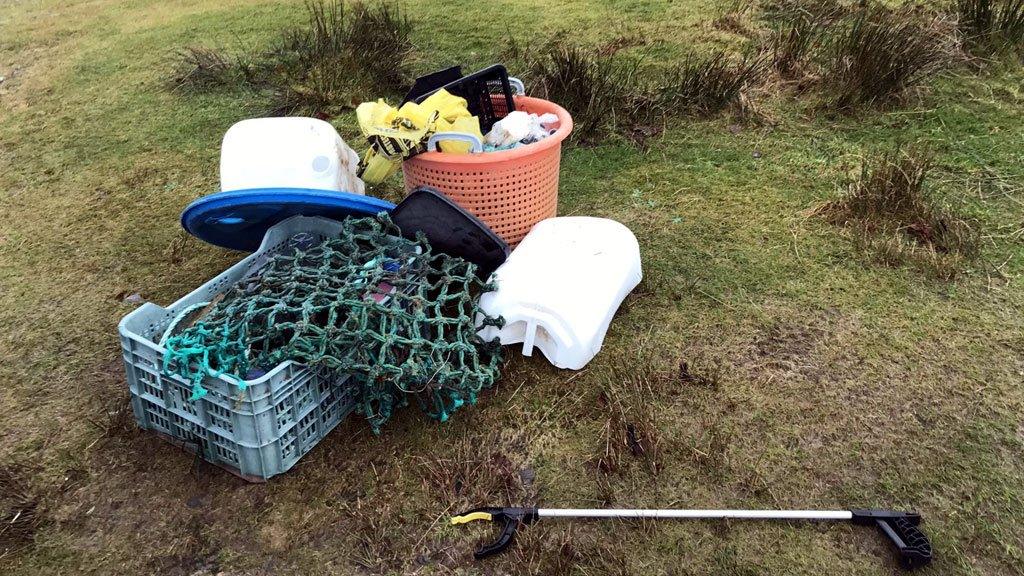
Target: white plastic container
(560,288)
(287,153)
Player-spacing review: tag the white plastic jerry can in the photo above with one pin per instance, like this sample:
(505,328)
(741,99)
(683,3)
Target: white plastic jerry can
(287,153)
(560,288)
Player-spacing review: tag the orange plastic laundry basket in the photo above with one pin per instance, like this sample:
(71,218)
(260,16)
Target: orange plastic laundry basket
(510,190)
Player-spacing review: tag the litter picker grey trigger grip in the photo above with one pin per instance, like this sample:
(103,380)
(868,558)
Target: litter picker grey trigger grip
(901,528)
(511,519)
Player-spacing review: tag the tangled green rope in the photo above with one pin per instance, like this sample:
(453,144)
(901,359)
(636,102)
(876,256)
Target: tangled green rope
(370,303)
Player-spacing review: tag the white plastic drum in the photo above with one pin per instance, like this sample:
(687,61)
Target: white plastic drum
(287,153)
(560,288)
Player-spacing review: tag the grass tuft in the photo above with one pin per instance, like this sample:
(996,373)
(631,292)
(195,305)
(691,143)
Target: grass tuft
(991,26)
(199,68)
(792,43)
(700,375)
(882,53)
(476,470)
(815,10)
(369,41)
(609,95)
(896,219)
(735,18)
(864,55)
(344,54)
(604,94)
(630,430)
(19,511)
(117,420)
(379,39)
(705,85)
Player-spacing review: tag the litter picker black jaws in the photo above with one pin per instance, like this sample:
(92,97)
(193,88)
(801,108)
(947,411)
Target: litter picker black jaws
(510,518)
(901,528)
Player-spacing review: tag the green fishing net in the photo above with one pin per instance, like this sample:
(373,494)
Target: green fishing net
(399,318)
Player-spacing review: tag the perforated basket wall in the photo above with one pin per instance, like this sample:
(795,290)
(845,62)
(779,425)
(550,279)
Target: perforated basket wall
(510,191)
(257,432)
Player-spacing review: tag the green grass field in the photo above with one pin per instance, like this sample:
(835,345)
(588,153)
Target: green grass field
(813,377)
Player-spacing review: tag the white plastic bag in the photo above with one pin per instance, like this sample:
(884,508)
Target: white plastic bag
(519,127)
(509,130)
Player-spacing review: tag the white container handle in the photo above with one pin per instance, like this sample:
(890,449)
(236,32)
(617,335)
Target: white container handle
(517,86)
(475,145)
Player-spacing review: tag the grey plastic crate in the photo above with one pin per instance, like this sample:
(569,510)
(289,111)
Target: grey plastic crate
(257,432)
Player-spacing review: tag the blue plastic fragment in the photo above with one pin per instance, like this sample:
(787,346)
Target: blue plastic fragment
(239,219)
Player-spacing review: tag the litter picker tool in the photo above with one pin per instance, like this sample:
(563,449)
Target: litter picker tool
(900,527)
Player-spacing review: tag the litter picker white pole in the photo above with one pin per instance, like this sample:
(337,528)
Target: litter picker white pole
(695,514)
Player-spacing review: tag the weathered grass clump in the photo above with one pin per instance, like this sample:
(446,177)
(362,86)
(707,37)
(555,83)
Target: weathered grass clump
(19,511)
(607,94)
(880,54)
(705,85)
(868,54)
(735,17)
(604,94)
(797,29)
(481,469)
(792,44)
(895,218)
(815,10)
(992,26)
(200,68)
(630,430)
(343,55)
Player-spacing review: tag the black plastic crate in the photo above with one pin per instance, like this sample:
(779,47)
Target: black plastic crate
(488,94)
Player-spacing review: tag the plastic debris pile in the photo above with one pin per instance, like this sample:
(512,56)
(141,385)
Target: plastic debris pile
(386,309)
(447,112)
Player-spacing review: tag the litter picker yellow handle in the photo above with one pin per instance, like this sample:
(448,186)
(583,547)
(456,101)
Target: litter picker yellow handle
(471,517)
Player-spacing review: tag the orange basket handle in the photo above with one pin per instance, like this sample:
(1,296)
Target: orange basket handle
(476,146)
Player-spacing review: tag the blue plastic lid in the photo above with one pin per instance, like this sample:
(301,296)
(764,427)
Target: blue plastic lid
(238,219)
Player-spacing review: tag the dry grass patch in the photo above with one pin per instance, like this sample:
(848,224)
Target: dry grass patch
(736,17)
(882,53)
(991,26)
(345,53)
(627,398)
(791,44)
(557,548)
(605,94)
(818,10)
(706,85)
(481,471)
(858,55)
(199,68)
(795,32)
(20,514)
(895,217)
(608,95)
